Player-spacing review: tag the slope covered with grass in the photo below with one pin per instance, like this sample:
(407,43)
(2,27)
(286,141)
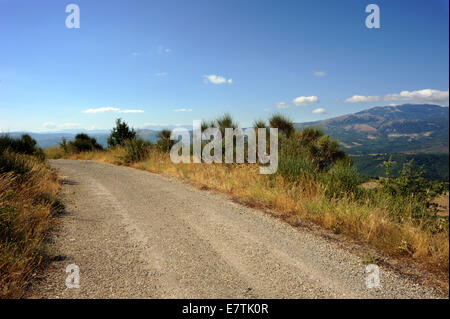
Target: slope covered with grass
(28,189)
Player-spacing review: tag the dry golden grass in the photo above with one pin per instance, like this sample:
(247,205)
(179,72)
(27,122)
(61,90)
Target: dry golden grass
(54,152)
(26,206)
(367,222)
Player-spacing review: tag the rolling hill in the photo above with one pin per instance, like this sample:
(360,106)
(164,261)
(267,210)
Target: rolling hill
(403,133)
(408,128)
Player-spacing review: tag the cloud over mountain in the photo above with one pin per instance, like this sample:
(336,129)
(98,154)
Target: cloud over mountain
(111,109)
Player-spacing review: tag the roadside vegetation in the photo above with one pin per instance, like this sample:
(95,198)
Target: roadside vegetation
(315,181)
(28,203)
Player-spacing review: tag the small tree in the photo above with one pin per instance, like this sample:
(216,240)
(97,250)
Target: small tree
(120,134)
(63,144)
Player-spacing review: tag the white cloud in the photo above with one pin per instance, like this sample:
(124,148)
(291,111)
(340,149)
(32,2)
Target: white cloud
(102,110)
(362,99)
(217,79)
(182,110)
(320,74)
(51,125)
(161,73)
(282,105)
(155,124)
(419,96)
(110,109)
(319,111)
(266,109)
(136,53)
(305,100)
(131,111)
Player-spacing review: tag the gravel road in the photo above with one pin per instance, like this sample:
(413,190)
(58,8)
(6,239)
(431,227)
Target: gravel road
(135,234)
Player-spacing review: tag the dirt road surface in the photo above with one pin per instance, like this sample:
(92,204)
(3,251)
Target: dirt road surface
(134,234)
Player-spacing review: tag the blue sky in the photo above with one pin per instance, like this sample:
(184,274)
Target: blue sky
(171,62)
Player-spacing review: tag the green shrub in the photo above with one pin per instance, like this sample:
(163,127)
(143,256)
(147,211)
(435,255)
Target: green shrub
(63,145)
(136,150)
(82,143)
(15,154)
(308,153)
(320,148)
(411,195)
(293,167)
(341,180)
(23,145)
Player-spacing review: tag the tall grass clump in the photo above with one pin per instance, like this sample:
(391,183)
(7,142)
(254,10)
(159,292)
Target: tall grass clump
(282,123)
(307,154)
(164,142)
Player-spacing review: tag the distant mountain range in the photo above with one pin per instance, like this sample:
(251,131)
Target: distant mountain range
(408,128)
(402,133)
(409,131)
(46,140)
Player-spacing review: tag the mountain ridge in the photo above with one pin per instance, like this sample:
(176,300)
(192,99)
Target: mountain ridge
(407,128)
